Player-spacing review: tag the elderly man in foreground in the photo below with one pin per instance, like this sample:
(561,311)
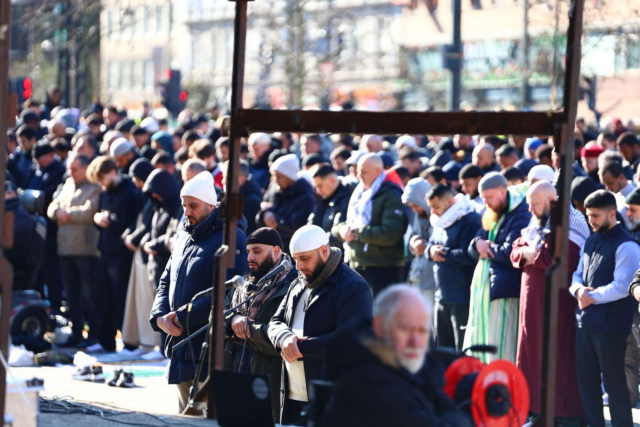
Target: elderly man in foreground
(383,375)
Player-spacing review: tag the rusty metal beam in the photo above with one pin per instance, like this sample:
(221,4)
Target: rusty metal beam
(557,276)
(231,206)
(414,123)
(6,272)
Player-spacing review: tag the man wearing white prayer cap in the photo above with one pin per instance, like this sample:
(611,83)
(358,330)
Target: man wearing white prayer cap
(326,296)
(189,271)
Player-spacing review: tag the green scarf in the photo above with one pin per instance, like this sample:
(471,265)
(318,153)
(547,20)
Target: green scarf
(335,258)
(477,330)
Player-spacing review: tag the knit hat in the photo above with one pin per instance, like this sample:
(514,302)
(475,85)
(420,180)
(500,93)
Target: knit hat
(592,151)
(387,160)
(308,238)
(406,141)
(492,180)
(288,166)
(141,169)
(470,171)
(452,170)
(265,236)
(259,138)
(532,143)
(542,173)
(201,187)
(41,148)
(120,147)
(581,187)
(634,197)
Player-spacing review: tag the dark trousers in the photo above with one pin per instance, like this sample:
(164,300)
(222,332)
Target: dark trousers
(78,277)
(50,280)
(600,352)
(291,415)
(449,320)
(379,278)
(632,360)
(113,271)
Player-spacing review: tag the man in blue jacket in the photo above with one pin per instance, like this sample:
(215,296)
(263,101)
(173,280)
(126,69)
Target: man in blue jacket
(604,316)
(455,223)
(189,271)
(325,297)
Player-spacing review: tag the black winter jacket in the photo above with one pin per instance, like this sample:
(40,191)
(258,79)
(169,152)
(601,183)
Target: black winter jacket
(342,298)
(251,199)
(332,211)
(371,389)
(123,202)
(189,271)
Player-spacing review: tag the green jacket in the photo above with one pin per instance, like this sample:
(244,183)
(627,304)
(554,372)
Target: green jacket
(381,243)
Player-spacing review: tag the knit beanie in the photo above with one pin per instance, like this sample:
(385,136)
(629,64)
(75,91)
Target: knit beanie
(265,236)
(288,166)
(201,187)
(141,169)
(492,180)
(308,238)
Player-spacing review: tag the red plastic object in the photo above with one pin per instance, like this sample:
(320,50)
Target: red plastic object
(457,370)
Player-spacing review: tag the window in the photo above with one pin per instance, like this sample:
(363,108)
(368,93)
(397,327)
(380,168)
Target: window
(109,23)
(132,19)
(147,18)
(125,75)
(138,77)
(148,74)
(633,51)
(113,75)
(158,19)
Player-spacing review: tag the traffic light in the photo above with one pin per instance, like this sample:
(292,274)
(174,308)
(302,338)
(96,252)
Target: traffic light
(172,96)
(21,86)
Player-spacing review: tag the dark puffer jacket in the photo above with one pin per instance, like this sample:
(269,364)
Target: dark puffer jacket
(371,389)
(123,202)
(291,207)
(251,199)
(164,185)
(189,271)
(504,279)
(332,211)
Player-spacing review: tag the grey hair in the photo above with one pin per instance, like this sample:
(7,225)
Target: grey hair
(388,301)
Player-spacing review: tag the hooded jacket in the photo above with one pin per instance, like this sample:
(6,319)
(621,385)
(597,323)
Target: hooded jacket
(332,210)
(164,185)
(291,207)
(371,388)
(421,271)
(453,276)
(251,199)
(189,271)
(123,202)
(259,169)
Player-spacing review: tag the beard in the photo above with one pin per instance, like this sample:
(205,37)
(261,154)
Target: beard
(254,276)
(489,218)
(542,220)
(604,227)
(316,272)
(634,222)
(412,359)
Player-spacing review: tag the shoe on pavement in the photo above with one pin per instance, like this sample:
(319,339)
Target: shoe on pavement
(96,374)
(113,382)
(126,380)
(82,374)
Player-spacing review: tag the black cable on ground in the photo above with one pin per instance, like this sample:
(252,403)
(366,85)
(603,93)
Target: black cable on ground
(64,405)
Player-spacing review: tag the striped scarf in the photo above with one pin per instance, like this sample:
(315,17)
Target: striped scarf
(477,330)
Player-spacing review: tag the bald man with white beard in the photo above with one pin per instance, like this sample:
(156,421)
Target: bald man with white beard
(531,254)
(373,233)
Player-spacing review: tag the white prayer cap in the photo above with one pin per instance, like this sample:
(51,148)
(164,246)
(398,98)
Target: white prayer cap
(201,187)
(542,173)
(120,147)
(259,138)
(150,124)
(406,141)
(308,238)
(288,166)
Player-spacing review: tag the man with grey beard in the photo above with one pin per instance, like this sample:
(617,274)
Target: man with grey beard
(383,375)
(632,204)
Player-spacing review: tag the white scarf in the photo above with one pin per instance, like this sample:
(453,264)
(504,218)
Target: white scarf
(535,234)
(460,208)
(360,204)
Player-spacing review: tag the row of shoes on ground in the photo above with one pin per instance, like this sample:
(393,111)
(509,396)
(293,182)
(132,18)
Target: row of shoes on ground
(89,373)
(121,379)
